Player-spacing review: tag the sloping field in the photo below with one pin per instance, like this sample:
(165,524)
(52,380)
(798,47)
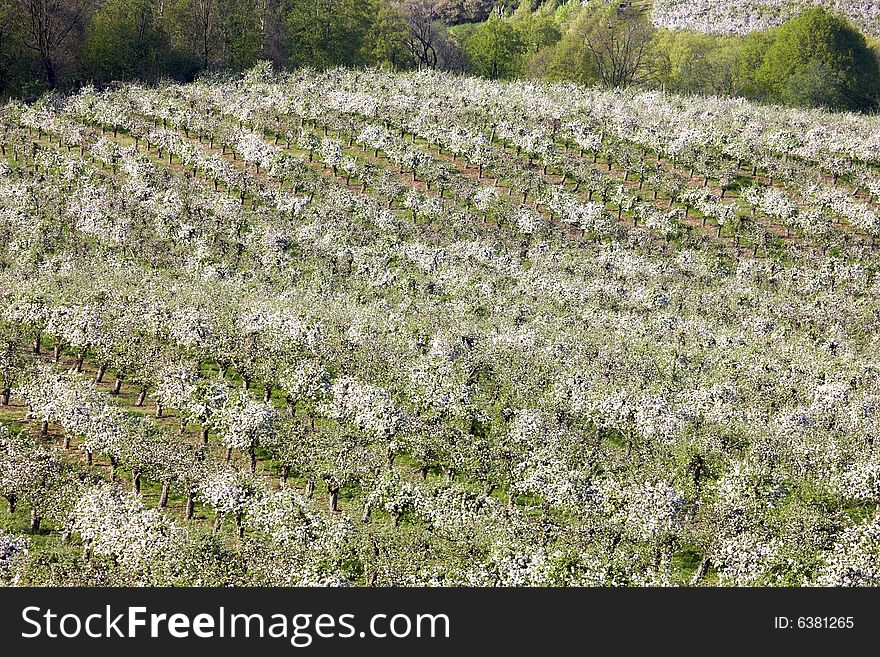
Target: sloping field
(366,328)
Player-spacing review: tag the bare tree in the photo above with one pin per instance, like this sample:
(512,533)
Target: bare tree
(204,20)
(424,30)
(271,17)
(48,27)
(619,40)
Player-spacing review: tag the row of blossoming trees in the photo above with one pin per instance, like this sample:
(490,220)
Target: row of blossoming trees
(744,16)
(359,328)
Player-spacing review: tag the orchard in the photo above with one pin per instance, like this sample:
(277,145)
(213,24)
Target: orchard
(365,328)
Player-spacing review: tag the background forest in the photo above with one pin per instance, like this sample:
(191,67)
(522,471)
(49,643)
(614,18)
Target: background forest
(815,59)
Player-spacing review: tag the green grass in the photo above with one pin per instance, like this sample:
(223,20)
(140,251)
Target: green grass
(685,563)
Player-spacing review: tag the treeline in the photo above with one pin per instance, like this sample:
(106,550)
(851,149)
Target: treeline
(817,59)
(48,44)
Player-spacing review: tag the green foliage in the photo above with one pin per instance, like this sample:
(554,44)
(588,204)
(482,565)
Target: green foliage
(538,29)
(818,59)
(690,62)
(239,34)
(495,49)
(387,38)
(215,33)
(124,41)
(324,33)
(607,43)
(569,59)
(17,65)
(750,58)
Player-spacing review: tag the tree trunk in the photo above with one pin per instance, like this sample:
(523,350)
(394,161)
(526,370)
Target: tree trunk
(228,454)
(11,502)
(334,499)
(163,498)
(44,429)
(267,394)
(252,452)
(158,409)
(142,395)
(310,488)
(4,396)
(80,357)
(285,474)
(99,375)
(204,435)
(190,505)
(117,385)
(66,441)
(35,521)
(37,343)
(136,483)
(56,354)
(48,68)
(218,519)
(701,572)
